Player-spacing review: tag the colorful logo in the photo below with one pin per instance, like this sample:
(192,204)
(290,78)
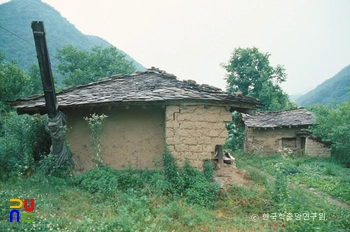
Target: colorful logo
(28,216)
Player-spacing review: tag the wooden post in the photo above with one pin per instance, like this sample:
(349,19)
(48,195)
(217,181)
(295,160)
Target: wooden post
(45,68)
(56,119)
(220,155)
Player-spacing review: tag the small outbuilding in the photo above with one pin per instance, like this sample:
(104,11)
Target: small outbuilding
(284,131)
(146,111)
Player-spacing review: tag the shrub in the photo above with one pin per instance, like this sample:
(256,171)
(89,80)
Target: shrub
(47,165)
(172,174)
(208,170)
(99,180)
(24,140)
(189,182)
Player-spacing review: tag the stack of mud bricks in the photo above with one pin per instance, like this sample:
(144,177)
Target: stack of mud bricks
(192,132)
(314,148)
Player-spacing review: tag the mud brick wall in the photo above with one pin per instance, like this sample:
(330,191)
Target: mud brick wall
(192,132)
(131,137)
(314,148)
(262,141)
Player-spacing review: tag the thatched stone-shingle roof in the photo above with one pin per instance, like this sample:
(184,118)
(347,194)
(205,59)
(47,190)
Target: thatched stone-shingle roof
(296,117)
(152,86)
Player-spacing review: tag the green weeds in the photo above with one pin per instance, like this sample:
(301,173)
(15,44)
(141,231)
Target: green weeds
(177,199)
(96,122)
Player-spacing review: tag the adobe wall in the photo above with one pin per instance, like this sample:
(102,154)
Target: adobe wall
(193,131)
(133,136)
(261,141)
(314,148)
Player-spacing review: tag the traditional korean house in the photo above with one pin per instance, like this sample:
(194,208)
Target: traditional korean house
(284,131)
(146,112)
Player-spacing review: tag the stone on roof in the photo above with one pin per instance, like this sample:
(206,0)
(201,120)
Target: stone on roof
(150,86)
(296,117)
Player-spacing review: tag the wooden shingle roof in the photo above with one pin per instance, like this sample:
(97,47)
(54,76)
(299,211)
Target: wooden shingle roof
(149,87)
(296,117)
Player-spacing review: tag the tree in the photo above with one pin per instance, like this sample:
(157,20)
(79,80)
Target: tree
(82,67)
(249,71)
(14,82)
(35,78)
(333,125)
(274,99)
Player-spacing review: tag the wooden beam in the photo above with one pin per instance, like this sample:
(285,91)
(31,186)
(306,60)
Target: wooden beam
(45,68)
(220,155)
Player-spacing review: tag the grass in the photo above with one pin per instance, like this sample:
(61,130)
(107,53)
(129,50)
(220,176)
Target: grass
(139,202)
(319,173)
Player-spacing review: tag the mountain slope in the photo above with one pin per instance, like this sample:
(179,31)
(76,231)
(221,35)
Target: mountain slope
(335,89)
(15,21)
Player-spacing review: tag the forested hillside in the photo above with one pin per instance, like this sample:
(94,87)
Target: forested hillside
(335,89)
(15,21)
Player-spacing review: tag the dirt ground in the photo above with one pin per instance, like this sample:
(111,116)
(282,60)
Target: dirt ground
(230,174)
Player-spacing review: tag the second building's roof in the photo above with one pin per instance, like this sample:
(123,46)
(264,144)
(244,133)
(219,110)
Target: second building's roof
(296,117)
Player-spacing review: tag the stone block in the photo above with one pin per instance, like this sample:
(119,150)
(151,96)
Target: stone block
(186,125)
(208,148)
(200,125)
(185,117)
(182,133)
(181,148)
(213,133)
(169,132)
(189,140)
(212,118)
(195,148)
(172,124)
(225,116)
(204,140)
(218,140)
(223,134)
(187,155)
(171,140)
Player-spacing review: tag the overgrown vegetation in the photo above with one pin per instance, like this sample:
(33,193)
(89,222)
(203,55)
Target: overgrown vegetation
(333,125)
(196,187)
(23,142)
(104,199)
(323,174)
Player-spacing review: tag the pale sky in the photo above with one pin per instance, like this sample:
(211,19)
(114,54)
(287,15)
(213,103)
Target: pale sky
(190,38)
